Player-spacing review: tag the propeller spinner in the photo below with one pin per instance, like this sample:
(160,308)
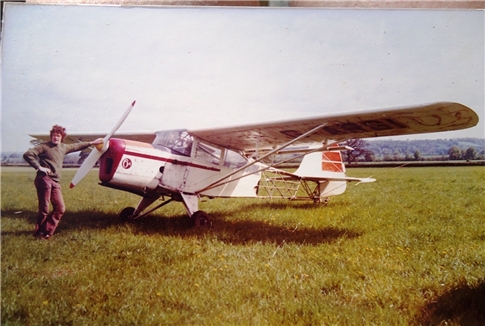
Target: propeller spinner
(99,150)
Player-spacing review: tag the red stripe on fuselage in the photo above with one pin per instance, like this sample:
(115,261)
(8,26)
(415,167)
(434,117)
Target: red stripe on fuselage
(172,161)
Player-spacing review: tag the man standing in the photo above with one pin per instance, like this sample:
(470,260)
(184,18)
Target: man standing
(47,159)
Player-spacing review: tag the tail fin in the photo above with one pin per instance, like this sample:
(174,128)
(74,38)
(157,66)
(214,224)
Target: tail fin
(325,165)
(328,169)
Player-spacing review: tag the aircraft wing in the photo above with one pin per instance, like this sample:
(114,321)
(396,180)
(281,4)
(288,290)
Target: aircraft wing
(76,138)
(435,117)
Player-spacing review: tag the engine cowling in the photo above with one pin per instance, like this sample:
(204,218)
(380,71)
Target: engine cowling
(131,166)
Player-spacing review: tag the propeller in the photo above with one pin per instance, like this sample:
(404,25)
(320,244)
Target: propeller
(98,150)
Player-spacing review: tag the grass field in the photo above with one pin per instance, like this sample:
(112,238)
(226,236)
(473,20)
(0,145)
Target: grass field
(408,249)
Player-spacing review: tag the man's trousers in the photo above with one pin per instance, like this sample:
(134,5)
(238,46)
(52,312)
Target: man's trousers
(48,191)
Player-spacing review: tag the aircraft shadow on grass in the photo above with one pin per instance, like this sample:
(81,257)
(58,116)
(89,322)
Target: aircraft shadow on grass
(463,305)
(227,229)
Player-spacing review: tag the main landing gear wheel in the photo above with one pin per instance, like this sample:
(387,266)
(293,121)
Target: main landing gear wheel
(127,213)
(201,219)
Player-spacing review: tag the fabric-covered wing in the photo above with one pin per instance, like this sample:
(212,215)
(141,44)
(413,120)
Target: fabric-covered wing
(76,138)
(443,116)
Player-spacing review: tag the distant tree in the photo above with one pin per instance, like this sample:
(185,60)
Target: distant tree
(454,153)
(481,156)
(359,145)
(417,155)
(470,154)
(369,157)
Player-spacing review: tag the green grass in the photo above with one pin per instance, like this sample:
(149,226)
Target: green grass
(407,249)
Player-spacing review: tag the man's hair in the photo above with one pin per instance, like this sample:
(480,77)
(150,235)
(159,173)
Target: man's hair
(60,130)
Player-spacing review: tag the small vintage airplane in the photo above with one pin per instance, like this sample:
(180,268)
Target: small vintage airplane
(185,165)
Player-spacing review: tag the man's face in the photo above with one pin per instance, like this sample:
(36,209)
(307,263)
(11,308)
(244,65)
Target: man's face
(56,138)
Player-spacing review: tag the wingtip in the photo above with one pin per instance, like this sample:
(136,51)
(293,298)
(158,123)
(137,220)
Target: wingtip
(71,185)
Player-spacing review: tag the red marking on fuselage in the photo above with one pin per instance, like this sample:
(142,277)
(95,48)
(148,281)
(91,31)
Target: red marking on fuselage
(126,163)
(172,161)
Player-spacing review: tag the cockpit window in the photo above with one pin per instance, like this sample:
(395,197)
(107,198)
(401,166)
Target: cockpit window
(180,142)
(177,141)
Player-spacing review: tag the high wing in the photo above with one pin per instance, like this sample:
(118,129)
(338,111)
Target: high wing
(435,117)
(146,137)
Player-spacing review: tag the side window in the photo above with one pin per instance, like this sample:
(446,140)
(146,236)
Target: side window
(208,154)
(234,160)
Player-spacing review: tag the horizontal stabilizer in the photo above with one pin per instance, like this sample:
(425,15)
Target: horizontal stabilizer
(359,180)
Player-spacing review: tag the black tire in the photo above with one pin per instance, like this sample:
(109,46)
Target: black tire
(127,213)
(201,219)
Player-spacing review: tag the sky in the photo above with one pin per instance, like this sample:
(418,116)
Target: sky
(201,67)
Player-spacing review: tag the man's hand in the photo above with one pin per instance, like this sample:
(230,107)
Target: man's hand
(98,141)
(42,169)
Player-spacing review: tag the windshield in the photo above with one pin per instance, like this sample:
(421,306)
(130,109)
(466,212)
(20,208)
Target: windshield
(177,141)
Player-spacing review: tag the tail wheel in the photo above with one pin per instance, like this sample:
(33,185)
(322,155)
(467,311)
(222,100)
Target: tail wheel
(319,200)
(127,213)
(201,219)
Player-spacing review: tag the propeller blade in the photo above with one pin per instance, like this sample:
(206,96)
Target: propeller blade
(120,122)
(99,150)
(87,165)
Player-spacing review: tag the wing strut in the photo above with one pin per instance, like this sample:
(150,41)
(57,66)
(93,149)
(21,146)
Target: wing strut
(218,182)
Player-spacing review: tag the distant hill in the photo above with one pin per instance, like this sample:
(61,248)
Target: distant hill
(426,147)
